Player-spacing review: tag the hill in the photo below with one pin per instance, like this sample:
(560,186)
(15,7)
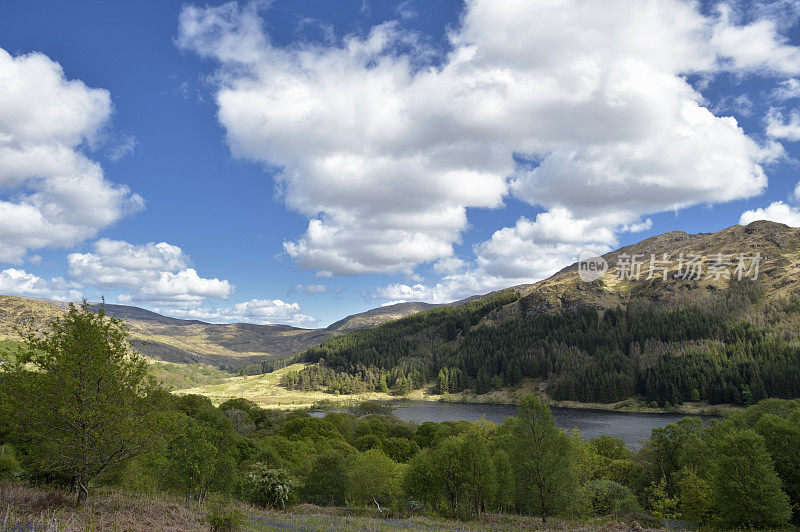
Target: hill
(174,340)
(387,313)
(779,270)
(378,316)
(717,320)
(180,341)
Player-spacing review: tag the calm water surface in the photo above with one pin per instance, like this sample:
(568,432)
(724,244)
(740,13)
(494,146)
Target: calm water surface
(630,427)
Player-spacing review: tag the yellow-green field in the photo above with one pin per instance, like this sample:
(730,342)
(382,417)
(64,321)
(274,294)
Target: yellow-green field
(266,391)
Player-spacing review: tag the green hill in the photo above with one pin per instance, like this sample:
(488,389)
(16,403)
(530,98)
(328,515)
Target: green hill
(173,340)
(378,316)
(669,340)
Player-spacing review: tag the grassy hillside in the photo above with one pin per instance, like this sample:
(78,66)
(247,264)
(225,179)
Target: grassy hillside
(777,244)
(667,340)
(378,316)
(179,341)
(36,508)
(266,391)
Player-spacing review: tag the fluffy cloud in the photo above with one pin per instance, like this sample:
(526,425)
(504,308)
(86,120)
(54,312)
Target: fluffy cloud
(787,90)
(777,212)
(528,251)
(158,276)
(150,273)
(755,46)
(384,152)
(51,194)
(780,128)
(261,311)
(21,283)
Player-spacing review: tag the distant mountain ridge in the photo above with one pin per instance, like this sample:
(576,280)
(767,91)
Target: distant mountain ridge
(176,340)
(235,345)
(377,316)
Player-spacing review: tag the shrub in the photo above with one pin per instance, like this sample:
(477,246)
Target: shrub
(606,497)
(222,517)
(9,466)
(268,487)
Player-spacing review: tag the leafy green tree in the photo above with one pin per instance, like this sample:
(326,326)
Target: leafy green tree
(373,478)
(326,482)
(610,447)
(782,438)
(464,474)
(89,402)
(421,481)
(196,463)
(399,449)
(696,503)
(504,498)
(480,482)
(9,466)
(606,497)
(663,506)
(746,489)
(674,446)
(542,459)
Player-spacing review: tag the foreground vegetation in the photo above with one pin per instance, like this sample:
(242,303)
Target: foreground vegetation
(49,508)
(80,410)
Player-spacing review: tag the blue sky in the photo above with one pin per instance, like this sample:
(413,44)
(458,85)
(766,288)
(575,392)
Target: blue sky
(304,160)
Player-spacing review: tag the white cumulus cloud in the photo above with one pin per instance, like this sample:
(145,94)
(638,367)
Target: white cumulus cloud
(581,108)
(260,311)
(787,128)
(18,282)
(51,193)
(777,211)
(149,273)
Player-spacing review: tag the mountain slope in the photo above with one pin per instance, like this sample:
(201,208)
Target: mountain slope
(779,272)
(175,340)
(378,316)
(669,338)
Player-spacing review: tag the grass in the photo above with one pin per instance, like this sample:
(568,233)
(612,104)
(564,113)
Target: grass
(179,376)
(27,508)
(266,391)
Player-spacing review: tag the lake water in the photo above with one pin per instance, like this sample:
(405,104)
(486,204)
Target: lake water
(630,427)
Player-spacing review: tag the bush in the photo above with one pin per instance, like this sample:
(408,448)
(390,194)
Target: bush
(366,408)
(268,487)
(222,517)
(9,466)
(606,497)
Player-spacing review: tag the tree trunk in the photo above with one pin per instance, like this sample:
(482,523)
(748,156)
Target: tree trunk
(82,483)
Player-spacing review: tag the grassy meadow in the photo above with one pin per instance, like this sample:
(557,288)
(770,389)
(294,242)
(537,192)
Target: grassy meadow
(266,391)
(28,508)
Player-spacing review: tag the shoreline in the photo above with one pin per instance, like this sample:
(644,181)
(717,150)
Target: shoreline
(265,391)
(630,405)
